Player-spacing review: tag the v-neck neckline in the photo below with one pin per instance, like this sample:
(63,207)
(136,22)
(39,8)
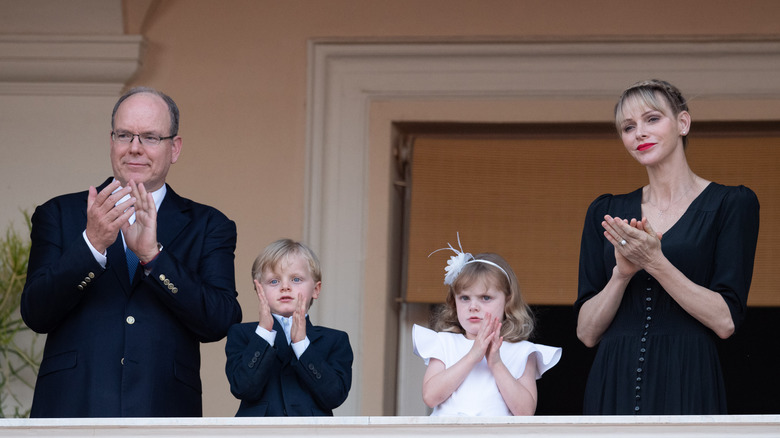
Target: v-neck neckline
(695,201)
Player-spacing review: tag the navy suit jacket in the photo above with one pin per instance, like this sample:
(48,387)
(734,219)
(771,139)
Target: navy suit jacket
(116,349)
(272,382)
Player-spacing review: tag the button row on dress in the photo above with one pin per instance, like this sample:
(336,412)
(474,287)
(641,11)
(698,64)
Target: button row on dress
(643,347)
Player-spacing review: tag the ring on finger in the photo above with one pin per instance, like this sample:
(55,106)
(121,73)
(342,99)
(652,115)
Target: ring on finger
(623,242)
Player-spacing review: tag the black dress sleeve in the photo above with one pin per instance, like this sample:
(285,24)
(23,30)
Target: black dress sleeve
(738,220)
(593,272)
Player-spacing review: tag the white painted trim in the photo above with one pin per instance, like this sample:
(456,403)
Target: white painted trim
(450,427)
(67,65)
(344,78)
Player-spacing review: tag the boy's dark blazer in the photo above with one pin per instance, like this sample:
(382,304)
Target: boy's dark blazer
(272,382)
(116,349)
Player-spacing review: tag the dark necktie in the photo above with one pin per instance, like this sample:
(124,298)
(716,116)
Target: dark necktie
(132,263)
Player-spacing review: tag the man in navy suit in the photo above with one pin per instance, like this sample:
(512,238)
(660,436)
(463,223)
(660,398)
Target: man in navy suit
(127,279)
(283,365)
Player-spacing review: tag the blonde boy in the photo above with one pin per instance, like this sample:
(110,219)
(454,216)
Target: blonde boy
(282,365)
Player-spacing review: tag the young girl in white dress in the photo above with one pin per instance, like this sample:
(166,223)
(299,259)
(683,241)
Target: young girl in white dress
(480,362)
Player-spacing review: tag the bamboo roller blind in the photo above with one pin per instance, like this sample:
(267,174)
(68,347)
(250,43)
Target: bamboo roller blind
(526,199)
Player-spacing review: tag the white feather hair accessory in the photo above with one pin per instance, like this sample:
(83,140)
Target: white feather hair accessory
(456,263)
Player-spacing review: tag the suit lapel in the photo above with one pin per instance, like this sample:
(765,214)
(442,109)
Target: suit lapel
(172,217)
(311,332)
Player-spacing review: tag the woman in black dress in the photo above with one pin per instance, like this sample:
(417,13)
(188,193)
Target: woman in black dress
(655,292)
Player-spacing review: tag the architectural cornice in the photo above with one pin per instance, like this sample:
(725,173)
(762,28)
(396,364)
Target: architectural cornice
(67,64)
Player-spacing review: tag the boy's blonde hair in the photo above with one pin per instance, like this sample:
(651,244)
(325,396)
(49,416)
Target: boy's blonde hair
(518,321)
(277,251)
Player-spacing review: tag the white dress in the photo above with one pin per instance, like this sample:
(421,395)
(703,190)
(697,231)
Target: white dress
(478,395)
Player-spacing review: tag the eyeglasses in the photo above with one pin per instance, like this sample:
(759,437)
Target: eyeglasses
(144,139)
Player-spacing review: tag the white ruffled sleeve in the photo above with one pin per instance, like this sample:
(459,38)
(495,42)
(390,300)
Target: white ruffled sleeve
(426,343)
(546,357)
(516,355)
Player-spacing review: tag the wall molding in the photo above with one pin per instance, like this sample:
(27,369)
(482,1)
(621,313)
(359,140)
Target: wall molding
(67,65)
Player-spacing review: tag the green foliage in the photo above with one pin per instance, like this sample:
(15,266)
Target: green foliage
(19,354)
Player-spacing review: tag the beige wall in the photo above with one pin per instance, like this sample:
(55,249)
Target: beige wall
(238,70)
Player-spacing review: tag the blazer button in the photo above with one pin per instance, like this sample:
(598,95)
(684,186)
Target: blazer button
(175,290)
(122,361)
(83,284)
(91,275)
(166,281)
(130,320)
(162,277)
(80,287)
